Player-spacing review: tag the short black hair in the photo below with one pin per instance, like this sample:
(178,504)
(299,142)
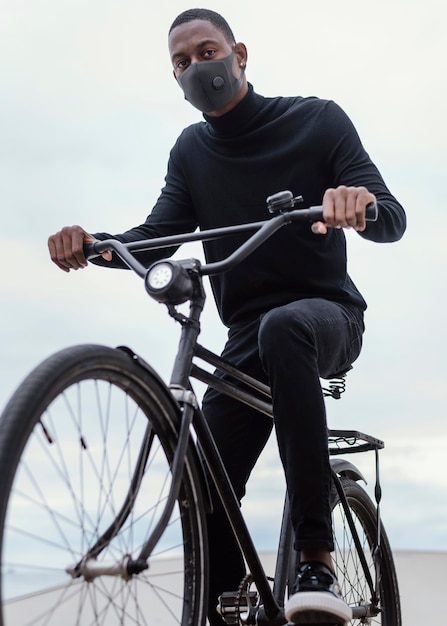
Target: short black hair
(210,16)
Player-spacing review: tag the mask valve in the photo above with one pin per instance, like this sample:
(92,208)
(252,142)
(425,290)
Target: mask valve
(218,83)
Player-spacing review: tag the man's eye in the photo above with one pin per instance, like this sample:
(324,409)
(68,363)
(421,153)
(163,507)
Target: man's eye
(182,64)
(209,53)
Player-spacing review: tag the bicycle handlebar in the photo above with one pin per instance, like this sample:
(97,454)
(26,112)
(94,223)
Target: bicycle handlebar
(265,229)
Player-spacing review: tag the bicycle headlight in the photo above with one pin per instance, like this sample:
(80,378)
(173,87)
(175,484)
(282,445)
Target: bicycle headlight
(159,276)
(168,282)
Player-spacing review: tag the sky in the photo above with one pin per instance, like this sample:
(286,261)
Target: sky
(88,113)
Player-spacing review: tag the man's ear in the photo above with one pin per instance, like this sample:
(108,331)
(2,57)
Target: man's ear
(240,50)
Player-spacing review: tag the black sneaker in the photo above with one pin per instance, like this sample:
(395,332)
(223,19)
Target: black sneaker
(316,597)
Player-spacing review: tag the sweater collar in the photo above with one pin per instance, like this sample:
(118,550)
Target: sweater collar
(238,120)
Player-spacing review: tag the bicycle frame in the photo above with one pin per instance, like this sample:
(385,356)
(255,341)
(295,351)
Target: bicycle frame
(260,399)
(241,387)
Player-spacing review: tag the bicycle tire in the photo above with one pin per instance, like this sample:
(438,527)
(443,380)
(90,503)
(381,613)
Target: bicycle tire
(348,568)
(57,498)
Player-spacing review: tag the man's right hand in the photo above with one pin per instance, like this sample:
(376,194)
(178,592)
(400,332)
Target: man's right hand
(67,248)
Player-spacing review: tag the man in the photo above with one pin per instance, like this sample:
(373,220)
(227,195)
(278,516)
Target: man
(293,312)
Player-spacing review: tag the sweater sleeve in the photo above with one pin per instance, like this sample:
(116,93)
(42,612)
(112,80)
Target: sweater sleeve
(172,214)
(351,166)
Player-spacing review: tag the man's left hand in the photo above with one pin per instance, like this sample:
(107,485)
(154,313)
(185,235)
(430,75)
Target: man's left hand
(344,207)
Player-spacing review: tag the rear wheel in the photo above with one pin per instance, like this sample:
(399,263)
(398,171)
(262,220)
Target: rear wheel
(81,429)
(348,568)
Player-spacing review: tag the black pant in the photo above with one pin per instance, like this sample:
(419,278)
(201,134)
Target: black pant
(290,347)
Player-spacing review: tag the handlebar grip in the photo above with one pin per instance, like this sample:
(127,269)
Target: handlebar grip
(371,212)
(315,213)
(90,251)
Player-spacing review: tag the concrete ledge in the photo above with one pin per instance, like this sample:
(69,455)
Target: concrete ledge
(422,580)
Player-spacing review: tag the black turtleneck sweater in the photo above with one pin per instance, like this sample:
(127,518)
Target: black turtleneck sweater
(221,171)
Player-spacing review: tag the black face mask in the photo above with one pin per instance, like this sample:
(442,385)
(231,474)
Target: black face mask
(210,85)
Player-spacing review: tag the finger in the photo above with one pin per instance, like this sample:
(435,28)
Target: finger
(319,228)
(334,207)
(351,207)
(79,238)
(60,243)
(53,249)
(343,200)
(360,212)
(72,251)
(329,207)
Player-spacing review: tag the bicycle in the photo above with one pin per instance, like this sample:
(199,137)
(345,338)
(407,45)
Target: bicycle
(103,493)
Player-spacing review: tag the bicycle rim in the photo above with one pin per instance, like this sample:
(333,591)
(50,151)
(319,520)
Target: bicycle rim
(349,570)
(69,440)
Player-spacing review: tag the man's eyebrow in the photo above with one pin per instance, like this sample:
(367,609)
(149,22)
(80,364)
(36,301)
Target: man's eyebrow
(201,44)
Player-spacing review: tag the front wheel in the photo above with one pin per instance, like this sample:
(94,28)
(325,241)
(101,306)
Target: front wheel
(348,568)
(86,445)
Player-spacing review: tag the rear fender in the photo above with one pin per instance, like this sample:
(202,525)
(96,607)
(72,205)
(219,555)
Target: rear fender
(345,468)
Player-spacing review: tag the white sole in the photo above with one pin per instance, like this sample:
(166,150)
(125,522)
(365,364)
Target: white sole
(317,607)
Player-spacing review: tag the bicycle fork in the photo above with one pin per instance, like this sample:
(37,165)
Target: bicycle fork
(89,568)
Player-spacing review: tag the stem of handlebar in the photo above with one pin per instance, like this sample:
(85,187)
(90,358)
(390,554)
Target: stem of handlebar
(265,229)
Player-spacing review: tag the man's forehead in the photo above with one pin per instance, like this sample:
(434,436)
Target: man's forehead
(193,32)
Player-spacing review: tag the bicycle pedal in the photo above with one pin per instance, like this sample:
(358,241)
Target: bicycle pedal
(231,603)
